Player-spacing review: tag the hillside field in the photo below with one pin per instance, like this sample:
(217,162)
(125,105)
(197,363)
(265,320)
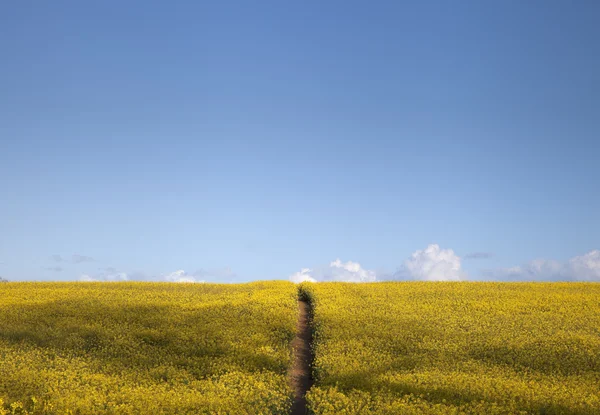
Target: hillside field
(146,348)
(456,348)
(380,348)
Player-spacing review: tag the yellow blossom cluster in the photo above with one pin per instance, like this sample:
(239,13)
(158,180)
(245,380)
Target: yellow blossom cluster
(455,348)
(146,348)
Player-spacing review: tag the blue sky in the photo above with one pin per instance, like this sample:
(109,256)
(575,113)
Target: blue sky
(251,140)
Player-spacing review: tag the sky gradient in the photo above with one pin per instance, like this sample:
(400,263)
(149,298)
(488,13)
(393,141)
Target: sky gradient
(243,140)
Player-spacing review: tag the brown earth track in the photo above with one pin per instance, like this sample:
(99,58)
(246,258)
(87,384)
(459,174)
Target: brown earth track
(300,374)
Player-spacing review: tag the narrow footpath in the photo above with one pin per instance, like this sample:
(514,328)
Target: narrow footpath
(300,375)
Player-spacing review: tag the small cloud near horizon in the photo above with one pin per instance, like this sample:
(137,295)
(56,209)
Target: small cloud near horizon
(75,258)
(55,269)
(78,259)
(437,264)
(336,271)
(431,264)
(584,267)
(478,255)
(201,276)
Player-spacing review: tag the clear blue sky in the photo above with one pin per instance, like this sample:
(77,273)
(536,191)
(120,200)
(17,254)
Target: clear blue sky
(270,136)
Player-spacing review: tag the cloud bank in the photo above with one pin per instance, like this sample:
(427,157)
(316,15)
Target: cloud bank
(478,255)
(432,263)
(584,267)
(117,276)
(335,271)
(429,264)
(175,276)
(437,264)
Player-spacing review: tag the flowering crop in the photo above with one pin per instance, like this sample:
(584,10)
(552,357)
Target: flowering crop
(146,348)
(383,348)
(456,348)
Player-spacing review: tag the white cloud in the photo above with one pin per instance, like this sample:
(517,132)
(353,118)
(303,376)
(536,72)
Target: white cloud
(350,272)
(118,276)
(175,276)
(335,271)
(180,276)
(432,264)
(302,276)
(585,267)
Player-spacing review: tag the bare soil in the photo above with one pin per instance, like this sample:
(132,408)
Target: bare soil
(300,374)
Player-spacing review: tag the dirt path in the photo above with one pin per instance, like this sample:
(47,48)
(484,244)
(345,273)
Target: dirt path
(300,376)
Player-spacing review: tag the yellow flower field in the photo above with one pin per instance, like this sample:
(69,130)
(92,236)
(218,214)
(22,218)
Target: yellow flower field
(456,348)
(146,348)
(381,348)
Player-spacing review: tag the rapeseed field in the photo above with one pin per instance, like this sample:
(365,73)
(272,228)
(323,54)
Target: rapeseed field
(380,348)
(146,348)
(455,348)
